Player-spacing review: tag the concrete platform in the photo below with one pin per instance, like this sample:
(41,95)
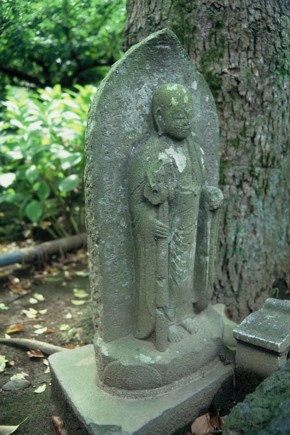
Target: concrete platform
(89,409)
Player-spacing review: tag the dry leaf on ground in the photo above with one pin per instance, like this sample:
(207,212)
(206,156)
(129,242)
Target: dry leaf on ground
(35,354)
(12,329)
(58,425)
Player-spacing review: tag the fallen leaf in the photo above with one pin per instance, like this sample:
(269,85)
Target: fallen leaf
(39,297)
(68,316)
(3,362)
(12,329)
(40,389)
(33,301)
(41,330)
(78,302)
(35,354)
(71,346)
(47,370)
(45,362)
(58,425)
(83,273)
(64,327)
(19,287)
(43,311)
(31,313)
(7,430)
(80,294)
(201,425)
(21,375)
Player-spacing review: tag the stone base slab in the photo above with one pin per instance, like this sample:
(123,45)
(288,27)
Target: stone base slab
(86,408)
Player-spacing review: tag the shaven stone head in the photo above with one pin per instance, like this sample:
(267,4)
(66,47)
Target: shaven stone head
(172,109)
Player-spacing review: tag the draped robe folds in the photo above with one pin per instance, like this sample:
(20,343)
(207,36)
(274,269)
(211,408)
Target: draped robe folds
(181,169)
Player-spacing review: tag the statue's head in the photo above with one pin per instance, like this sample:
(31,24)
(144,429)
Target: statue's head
(172,110)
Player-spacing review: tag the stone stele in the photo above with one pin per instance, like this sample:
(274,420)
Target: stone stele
(152,205)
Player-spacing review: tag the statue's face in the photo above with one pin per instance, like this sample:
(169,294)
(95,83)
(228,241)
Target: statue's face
(173,111)
(176,121)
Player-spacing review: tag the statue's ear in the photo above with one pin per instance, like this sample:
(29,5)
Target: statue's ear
(158,117)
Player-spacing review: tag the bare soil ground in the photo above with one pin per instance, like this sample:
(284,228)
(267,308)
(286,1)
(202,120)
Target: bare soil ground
(50,304)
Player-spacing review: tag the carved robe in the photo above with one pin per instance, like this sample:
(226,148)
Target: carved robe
(165,172)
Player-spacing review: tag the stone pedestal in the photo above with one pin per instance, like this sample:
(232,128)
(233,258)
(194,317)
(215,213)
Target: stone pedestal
(87,408)
(263,338)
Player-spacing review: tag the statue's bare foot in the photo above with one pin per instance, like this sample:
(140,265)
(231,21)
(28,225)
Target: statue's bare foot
(189,325)
(175,334)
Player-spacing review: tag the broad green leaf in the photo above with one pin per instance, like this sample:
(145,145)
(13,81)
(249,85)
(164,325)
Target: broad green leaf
(34,211)
(43,191)
(69,183)
(7,179)
(70,161)
(32,173)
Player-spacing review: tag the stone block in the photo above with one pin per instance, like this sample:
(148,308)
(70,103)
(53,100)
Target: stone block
(263,338)
(87,408)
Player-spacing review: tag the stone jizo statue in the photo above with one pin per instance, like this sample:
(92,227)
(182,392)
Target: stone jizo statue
(166,181)
(152,207)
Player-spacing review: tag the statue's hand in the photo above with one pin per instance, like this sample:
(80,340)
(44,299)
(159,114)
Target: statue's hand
(213,197)
(160,229)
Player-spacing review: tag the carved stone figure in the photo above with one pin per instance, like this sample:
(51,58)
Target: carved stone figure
(152,206)
(166,180)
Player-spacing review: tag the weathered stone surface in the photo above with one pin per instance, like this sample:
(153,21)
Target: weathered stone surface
(264,338)
(16,384)
(152,216)
(97,412)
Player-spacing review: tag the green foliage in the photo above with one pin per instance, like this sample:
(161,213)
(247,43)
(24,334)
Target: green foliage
(41,156)
(59,41)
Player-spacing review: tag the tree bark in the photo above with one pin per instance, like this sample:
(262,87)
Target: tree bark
(240,46)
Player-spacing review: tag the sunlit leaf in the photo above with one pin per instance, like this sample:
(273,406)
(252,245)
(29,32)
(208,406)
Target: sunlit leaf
(7,179)
(3,307)
(31,173)
(69,183)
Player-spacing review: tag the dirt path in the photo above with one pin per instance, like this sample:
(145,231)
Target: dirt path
(51,306)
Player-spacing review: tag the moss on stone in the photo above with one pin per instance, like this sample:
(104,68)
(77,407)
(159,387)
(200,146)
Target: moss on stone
(266,411)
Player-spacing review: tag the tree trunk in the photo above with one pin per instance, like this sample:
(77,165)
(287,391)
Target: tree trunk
(240,46)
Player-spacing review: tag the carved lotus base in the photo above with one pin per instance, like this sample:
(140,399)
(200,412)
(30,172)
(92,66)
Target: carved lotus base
(135,365)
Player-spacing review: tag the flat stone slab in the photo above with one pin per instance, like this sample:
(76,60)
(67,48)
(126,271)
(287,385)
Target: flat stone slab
(158,411)
(268,328)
